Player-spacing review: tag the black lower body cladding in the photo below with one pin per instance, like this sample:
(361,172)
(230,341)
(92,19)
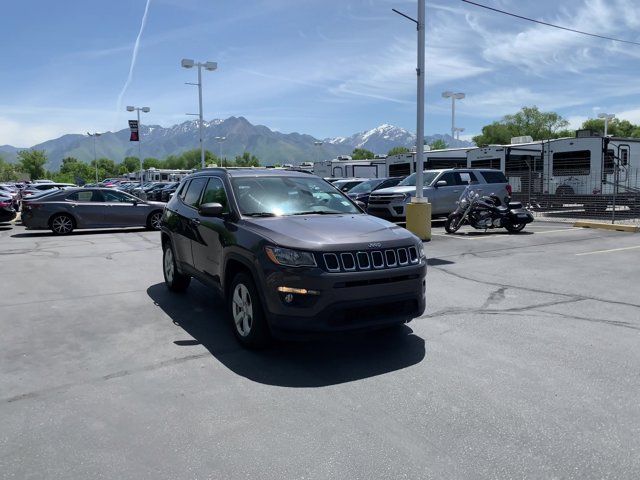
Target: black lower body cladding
(342,301)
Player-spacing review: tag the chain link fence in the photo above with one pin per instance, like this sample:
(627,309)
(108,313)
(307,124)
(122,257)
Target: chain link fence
(571,193)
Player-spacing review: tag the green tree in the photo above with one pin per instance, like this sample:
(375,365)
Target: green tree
(528,121)
(362,154)
(32,162)
(9,171)
(398,151)
(616,127)
(132,164)
(246,160)
(151,163)
(438,144)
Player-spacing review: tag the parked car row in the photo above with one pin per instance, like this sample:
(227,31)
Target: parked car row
(63,211)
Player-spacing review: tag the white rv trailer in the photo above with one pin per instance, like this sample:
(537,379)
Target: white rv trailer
(589,167)
(159,175)
(399,165)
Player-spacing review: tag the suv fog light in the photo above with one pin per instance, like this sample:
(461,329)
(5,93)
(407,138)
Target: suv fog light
(299,291)
(288,297)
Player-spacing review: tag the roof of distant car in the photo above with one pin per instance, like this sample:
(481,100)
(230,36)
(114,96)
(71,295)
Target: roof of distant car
(253,172)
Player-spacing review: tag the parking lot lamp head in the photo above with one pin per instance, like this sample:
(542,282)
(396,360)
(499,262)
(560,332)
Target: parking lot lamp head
(606,117)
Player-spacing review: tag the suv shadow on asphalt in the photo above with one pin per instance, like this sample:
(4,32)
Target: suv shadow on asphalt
(316,363)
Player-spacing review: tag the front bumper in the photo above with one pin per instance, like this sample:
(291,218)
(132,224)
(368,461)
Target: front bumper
(346,301)
(394,211)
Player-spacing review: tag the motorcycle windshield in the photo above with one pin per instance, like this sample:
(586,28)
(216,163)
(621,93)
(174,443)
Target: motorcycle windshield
(469,193)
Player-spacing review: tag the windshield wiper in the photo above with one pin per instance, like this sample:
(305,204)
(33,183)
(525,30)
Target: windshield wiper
(317,212)
(259,214)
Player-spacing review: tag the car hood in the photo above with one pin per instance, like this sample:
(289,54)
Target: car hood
(331,232)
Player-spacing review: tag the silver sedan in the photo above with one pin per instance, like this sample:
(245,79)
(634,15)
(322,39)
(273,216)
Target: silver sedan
(66,210)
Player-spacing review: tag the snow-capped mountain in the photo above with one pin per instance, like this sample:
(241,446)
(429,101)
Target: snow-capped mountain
(383,138)
(240,136)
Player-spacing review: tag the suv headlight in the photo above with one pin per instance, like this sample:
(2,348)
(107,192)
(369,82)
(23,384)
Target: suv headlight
(420,247)
(290,258)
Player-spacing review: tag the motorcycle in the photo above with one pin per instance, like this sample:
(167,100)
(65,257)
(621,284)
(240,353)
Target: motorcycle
(484,212)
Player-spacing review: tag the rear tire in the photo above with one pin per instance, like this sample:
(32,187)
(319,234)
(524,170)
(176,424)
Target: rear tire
(174,280)
(154,220)
(62,224)
(452,224)
(246,314)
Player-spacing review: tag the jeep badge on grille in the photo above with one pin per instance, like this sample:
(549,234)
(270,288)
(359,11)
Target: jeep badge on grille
(374,245)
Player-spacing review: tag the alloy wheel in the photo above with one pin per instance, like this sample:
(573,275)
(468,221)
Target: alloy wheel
(62,224)
(242,310)
(168,265)
(156,220)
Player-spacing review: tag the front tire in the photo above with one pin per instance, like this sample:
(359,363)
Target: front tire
(174,280)
(452,224)
(62,224)
(245,311)
(515,228)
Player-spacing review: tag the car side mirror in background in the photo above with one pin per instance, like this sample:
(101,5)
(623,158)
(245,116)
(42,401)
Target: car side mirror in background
(210,210)
(441,183)
(361,204)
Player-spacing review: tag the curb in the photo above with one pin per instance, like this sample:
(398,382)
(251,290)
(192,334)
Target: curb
(608,226)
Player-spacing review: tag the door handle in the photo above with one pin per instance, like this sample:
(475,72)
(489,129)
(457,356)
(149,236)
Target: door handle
(195,221)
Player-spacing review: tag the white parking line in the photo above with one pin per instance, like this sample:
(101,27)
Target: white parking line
(607,251)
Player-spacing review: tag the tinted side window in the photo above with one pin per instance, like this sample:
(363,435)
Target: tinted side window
(494,176)
(448,177)
(572,163)
(215,193)
(183,190)
(192,197)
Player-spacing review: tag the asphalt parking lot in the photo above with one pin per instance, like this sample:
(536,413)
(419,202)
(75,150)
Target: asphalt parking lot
(526,364)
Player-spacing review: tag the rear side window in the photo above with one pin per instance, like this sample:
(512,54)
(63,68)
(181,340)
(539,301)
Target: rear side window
(494,176)
(85,196)
(215,193)
(192,197)
(465,178)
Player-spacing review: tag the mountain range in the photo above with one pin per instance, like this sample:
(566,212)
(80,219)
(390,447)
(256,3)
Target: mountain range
(240,136)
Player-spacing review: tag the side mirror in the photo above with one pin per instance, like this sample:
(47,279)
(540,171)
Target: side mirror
(441,183)
(361,204)
(210,210)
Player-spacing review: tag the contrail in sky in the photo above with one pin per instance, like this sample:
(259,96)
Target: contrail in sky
(136,46)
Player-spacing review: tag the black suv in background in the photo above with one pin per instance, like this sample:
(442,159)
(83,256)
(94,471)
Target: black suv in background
(291,254)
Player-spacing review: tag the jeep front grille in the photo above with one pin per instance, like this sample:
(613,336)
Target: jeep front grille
(370,260)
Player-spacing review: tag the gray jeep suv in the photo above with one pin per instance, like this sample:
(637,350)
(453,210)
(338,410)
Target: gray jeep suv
(442,188)
(290,253)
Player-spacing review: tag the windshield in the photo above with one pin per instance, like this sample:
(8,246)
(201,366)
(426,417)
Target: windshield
(365,187)
(276,196)
(410,181)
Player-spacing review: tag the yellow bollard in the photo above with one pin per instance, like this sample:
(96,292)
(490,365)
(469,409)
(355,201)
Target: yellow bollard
(419,217)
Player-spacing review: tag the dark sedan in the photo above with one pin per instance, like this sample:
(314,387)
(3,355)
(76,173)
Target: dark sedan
(64,211)
(362,191)
(7,212)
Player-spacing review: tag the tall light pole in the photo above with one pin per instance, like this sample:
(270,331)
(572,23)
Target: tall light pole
(95,156)
(210,66)
(454,97)
(318,144)
(458,130)
(220,140)
(607,117)
(138,110)
(420,24)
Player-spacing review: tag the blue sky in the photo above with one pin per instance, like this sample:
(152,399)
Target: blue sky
(323,67)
